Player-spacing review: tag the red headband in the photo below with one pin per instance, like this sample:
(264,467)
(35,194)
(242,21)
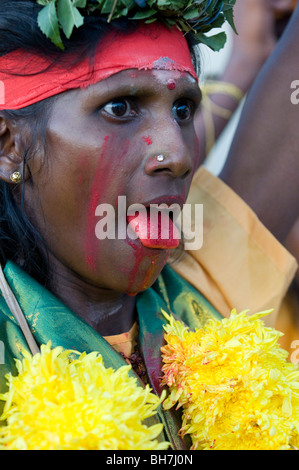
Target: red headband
(152,46)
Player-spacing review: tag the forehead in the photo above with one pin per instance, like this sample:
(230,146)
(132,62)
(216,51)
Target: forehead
(135,81)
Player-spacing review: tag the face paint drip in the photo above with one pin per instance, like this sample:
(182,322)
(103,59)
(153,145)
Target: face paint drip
(139,258)
(91,242)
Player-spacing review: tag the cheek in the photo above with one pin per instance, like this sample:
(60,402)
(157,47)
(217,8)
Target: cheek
(197,159)
(100,180)
(107,184)
(120,261)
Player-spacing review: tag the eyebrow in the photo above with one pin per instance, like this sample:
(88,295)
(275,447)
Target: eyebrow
(195,92)
(192,92)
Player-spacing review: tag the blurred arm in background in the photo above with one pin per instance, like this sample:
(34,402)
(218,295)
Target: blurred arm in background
(257,25)
(263,162)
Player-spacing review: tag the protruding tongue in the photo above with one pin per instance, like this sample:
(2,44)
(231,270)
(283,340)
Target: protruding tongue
(155,229)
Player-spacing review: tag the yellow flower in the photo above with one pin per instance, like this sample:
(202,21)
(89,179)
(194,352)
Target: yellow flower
(58,403)
(234,383)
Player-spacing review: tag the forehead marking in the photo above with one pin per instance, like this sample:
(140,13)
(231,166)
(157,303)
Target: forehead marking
(171,84)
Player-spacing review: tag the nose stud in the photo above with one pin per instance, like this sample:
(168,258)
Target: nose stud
(160,158)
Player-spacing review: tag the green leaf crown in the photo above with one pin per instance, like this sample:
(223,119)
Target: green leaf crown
(196,17)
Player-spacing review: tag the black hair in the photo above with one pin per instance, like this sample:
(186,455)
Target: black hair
(19,240)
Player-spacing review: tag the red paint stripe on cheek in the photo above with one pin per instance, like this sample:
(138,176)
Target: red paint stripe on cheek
(99,184)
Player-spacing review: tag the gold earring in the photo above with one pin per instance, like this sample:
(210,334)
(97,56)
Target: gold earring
(16,177)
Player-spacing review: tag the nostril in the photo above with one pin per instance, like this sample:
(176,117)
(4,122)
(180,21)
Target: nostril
(175,165)
(161,170)
(186,174)
(170,172)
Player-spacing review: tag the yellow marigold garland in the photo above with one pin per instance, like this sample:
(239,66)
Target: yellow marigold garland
(234,384)
(57,403)
(231,378)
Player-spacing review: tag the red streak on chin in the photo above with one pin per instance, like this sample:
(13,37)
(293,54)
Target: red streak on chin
(133,273)
(133,288)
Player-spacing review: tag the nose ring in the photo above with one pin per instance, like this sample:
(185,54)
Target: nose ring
(160,158)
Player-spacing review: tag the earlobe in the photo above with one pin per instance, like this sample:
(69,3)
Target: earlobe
(10,171)
(11,159)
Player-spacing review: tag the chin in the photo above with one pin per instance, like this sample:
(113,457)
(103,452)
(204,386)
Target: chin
(144,274)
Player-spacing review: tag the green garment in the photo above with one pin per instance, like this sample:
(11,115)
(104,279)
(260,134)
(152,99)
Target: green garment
(50,320)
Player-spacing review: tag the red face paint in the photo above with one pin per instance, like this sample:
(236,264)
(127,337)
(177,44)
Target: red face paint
(91,244)
(147,140)
(171,84)
(103,179)
(140,258)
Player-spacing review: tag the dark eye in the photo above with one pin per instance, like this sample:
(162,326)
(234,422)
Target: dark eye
(183,110)
(120,107)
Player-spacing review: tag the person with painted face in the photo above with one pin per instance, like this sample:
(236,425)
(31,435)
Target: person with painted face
(89,119)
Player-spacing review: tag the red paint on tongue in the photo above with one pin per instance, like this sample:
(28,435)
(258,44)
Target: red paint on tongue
(155,230)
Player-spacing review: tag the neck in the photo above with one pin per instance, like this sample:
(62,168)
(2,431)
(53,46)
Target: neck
(108,312)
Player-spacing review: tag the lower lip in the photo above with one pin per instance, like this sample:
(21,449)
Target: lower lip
(154,230)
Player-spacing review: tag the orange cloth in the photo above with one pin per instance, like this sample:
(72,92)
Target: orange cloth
(125,342)
(241,264)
